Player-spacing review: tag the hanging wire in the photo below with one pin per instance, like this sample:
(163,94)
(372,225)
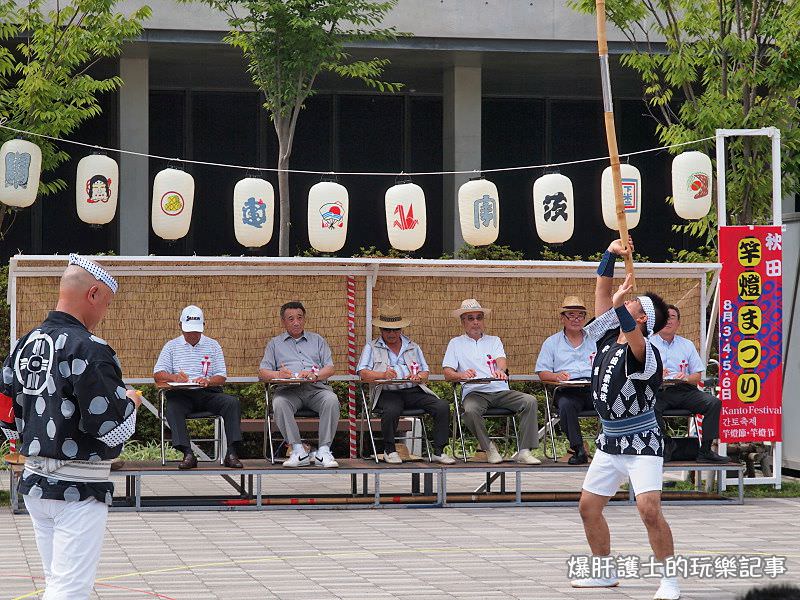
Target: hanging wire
(336,173)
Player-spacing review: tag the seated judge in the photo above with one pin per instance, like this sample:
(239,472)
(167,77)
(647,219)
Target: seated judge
(565,356)
(305,355)
(193,357)
(392,355)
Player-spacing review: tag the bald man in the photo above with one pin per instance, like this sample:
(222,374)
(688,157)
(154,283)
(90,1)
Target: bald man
(62,395)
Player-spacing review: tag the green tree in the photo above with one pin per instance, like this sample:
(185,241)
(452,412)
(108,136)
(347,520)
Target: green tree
(733,64)
(287,44)
(45,59)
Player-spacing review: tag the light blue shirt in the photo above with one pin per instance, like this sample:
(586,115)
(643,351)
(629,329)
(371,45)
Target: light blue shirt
(557,354)
(397,362)
(465,353)
(179,355)
(678,356)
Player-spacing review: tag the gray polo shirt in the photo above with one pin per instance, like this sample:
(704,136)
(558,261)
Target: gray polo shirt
(309,350)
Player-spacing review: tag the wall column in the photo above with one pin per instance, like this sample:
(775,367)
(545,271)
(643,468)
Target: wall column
(461,135)
(134,171)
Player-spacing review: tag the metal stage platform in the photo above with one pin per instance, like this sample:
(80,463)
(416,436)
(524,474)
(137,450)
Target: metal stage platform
(427,486)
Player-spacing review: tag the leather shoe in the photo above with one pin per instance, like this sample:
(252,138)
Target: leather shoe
(709,456)
(579,458)
(189,462)
(232,462)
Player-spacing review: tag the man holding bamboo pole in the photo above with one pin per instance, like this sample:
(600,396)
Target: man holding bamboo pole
(626,375)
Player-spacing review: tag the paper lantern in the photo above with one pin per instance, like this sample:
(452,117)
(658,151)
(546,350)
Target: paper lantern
(406,218)
(253,212)
(96,187)
(631,196)
(691,184)
(173,198)
(554,208)
(328,214)
(479,212)
(20,169)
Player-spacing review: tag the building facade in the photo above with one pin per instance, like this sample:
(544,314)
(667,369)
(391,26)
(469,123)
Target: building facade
(487,84)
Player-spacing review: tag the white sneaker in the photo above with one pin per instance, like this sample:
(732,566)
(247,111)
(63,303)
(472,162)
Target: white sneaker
(325,459)
(595,582)
(668,590)
(525,457)
(297,460)
(393,458)
(493,457)
(443,458)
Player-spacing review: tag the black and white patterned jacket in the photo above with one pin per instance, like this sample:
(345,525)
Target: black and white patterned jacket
(69,404)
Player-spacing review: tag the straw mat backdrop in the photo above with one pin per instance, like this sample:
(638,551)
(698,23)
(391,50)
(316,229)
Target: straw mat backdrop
(242,310)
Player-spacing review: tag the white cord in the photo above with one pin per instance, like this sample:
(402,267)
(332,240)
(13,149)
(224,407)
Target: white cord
(381,174)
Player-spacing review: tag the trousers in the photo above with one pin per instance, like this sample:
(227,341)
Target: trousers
(321,399)
(476,403)
(391,404)
(688,397)
(69,536)
(571,402)
(181,403)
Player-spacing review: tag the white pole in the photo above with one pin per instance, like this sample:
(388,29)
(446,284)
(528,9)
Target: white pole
(777,198)
(721,218)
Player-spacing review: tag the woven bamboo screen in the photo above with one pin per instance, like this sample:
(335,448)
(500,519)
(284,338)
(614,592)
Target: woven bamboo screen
(242,310)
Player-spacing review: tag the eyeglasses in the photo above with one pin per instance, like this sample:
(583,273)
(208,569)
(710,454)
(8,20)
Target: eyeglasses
(389,329)
(574,316)
(478,317)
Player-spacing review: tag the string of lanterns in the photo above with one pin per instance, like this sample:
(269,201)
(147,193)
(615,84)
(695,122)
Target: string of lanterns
(97,191)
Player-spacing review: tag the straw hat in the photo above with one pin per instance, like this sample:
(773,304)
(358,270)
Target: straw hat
(390,317)
(572,303)
(470,305)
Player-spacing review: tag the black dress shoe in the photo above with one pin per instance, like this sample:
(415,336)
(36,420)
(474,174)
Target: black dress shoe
(232,462)
(189,462)
(579,458)
(709,456)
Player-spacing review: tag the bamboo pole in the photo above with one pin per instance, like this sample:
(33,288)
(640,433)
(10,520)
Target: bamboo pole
(611,133)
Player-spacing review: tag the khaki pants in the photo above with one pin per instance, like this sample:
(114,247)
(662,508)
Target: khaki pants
(321,399)
(476,403)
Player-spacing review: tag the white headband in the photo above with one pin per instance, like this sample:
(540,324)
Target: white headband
(96,271)
(650,311)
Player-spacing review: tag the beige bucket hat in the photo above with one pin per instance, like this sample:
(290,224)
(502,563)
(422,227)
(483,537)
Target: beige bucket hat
(390,317)
(470,305)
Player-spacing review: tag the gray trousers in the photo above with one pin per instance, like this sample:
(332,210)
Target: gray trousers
(476,403)
(322,400)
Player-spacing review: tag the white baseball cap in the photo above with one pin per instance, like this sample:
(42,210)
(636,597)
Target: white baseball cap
(192,318)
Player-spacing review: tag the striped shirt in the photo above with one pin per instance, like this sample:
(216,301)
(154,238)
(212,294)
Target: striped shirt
(204,359)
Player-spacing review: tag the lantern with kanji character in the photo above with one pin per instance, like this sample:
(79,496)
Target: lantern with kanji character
(479,212)
(631,196)
(173,199)
(554,208)
(96,187)
(691,184)
(328,214)
(20,169)
(406,219)
(253,212)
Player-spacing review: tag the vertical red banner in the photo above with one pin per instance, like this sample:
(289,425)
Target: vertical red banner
(750,333)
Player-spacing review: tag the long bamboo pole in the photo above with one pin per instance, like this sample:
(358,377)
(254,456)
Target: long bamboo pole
(611,132)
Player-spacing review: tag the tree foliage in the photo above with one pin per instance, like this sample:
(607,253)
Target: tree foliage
(727,64)
(46,86)
(288,44)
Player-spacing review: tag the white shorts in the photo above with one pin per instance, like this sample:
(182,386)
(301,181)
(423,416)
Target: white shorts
(608,471)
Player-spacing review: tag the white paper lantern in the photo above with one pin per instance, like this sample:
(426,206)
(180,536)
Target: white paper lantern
(631,196)
(691,184)
(253,212)
(173,199)
(20,169)
(328,214)
(554,208)
(96,187)
(479,212)
(406,219)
